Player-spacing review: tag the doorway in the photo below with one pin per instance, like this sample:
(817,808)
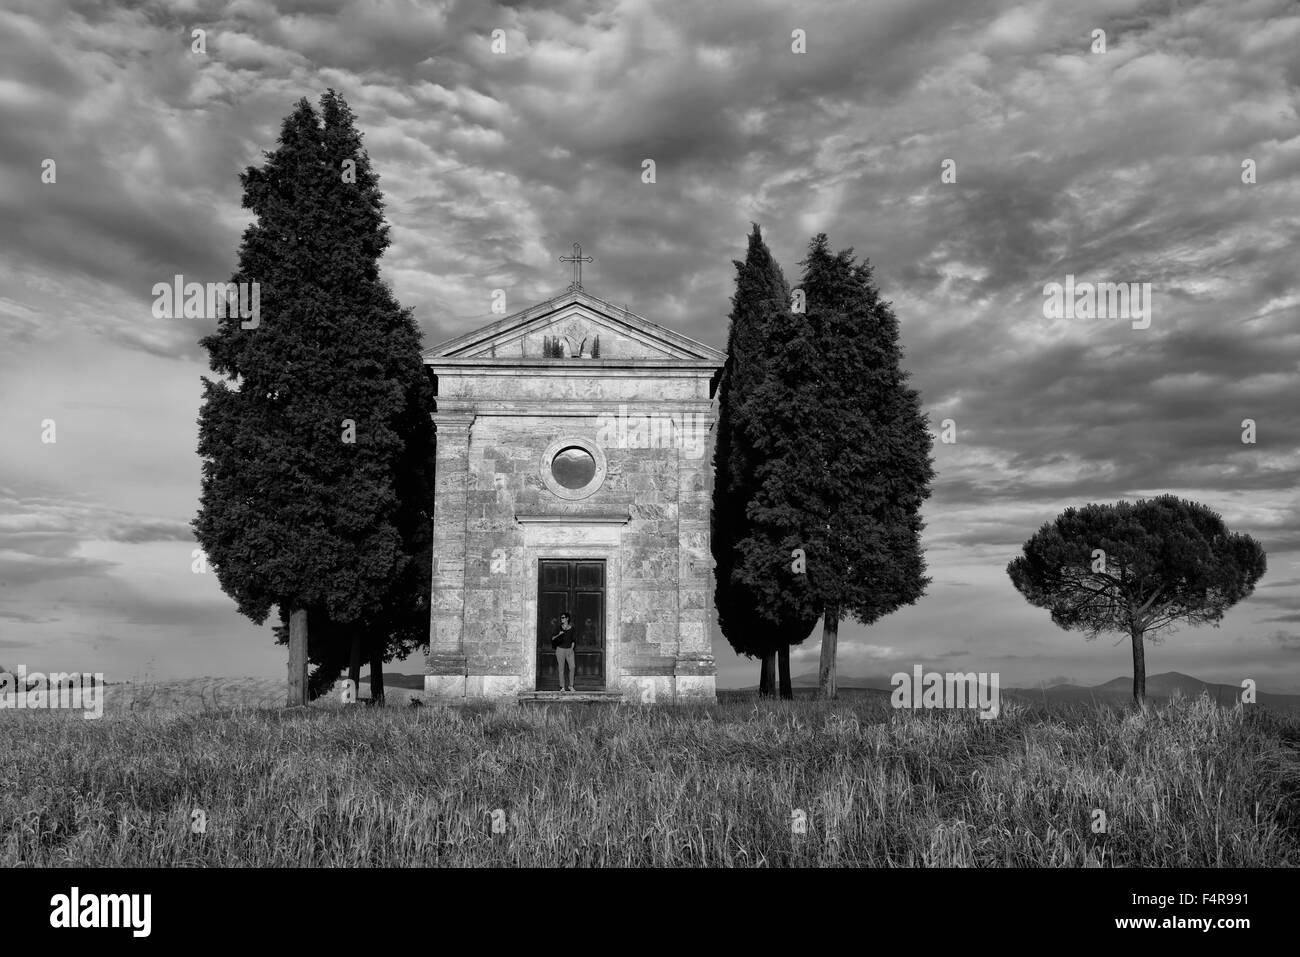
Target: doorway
(578,587)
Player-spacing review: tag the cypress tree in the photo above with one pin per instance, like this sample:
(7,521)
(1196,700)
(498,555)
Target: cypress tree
(760,302)
(316,443)
(844,460)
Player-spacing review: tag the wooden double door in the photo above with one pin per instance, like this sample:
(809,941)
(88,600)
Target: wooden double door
(578,587)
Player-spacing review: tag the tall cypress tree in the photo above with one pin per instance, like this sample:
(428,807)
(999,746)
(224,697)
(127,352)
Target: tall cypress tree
(316,444)
(761,300)
(844,459)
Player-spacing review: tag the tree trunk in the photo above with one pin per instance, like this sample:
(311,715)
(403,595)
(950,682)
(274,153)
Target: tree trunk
(377,675)
(298,658)
(783,669)
(1139,669)
(354,664)
(767,676)
(830,637)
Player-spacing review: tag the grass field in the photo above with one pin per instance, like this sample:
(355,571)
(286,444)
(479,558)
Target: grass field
(1184,784)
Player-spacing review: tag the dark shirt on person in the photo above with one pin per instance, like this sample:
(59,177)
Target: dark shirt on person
(564,638)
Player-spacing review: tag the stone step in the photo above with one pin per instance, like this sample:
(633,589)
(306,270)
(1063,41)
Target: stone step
(571,697)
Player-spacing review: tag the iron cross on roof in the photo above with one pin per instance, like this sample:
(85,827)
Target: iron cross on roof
(577,259)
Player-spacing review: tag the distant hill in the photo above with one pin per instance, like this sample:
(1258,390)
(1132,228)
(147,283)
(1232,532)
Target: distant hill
(1117,690)
(395,679)
(1159,687)
(857,682)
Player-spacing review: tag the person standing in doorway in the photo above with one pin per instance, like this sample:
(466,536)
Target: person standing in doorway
(562,641)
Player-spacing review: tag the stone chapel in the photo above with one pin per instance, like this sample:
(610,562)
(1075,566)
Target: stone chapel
(574,473)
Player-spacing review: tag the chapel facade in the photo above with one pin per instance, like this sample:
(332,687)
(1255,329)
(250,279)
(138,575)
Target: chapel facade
(574,474)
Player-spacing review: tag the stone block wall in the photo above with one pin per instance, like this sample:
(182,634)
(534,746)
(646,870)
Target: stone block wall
(649,519)
(503,460)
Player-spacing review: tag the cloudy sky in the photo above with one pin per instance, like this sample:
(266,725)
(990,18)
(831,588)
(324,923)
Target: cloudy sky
(1117,166)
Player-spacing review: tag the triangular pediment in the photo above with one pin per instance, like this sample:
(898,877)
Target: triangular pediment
(580,322)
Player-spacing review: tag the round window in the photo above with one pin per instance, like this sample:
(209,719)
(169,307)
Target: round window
(573,467)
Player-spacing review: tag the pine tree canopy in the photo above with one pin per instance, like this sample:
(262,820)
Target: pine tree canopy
(1137,567)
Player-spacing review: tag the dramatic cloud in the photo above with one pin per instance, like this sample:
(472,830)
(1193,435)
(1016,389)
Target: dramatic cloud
(1123,166)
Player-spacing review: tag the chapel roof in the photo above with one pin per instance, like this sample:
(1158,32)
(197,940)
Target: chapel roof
(573,309)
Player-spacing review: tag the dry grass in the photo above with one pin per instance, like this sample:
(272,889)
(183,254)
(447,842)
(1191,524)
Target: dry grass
(214,694)
(1183,784)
